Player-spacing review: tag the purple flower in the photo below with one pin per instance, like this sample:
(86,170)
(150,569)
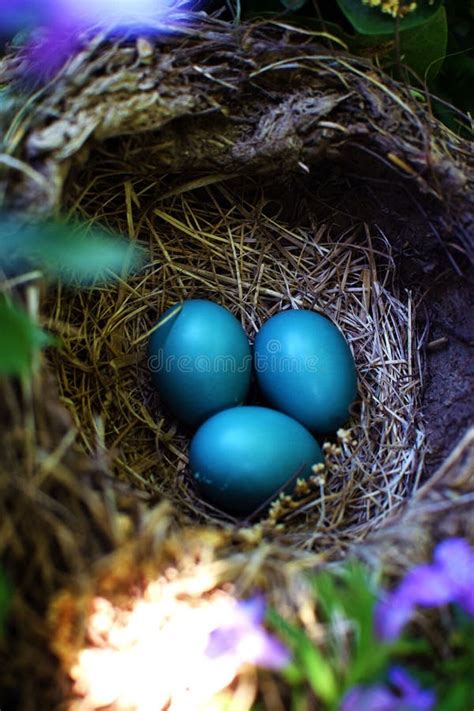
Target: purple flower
(403,694)
(16,14)
(449,579)
(371,698)
(410,692)
(244,638)
(66,24)
(456,558)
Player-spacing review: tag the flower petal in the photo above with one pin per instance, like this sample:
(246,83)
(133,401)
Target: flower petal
(253,608)
(412,696)
(466,601)
(245,639)
(48,54)
(223,640)
(373,698)
(391,616)
(264,650)
(427,585)
(456,558)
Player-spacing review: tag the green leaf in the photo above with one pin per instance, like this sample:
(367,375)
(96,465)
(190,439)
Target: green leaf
(293,675)
(319,672)
(458,79)
(20,338)
(424,49)
(70,252)
(5,596)
(308,658)
(299,700)
(372,21)
(349,591)
(457,695)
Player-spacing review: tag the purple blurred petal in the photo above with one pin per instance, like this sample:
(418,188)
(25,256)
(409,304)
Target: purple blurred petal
(251,645)
(402,680)
(64,21)
(16,15)
(455,557)
(426,585)
(222,641)
(253,608)
(454,551)
(245,640)
(264,650)
(391,616)
(47,55)
(466,601)
(124,13)
(374,698)
(407,695)
(449,579)
(412,696)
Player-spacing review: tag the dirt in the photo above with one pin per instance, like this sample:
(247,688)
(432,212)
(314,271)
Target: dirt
(448,397)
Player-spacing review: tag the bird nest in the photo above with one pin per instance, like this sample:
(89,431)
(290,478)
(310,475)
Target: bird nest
(263,171)
(229,243)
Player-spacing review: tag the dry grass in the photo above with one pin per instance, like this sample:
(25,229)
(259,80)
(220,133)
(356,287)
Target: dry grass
(228,244)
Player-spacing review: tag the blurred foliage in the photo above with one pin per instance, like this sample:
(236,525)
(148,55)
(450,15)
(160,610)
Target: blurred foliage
(20,339)
(71,253)
(455,82)
(349,654)
(309,665)
(423,49)
(449,673)
(351,594)
(66,251)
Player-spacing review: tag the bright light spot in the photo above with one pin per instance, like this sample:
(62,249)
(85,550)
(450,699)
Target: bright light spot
(154,655)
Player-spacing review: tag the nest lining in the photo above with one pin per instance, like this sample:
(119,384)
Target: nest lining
(233,245)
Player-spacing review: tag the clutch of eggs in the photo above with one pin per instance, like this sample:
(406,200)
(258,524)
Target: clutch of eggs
(201,363)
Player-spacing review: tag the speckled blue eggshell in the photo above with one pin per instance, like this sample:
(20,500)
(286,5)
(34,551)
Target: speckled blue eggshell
(241,457)
(305,368)
(200,360)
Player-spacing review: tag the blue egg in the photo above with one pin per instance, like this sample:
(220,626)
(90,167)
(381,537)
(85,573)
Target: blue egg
(241,457)
(305,368)
(200,360)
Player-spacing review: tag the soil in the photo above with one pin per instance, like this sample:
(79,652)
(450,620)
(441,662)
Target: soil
(448,398)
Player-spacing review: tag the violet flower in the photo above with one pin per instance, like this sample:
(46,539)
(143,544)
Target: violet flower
(245,640)
(17,14)
(64,25)
(403,694)
(448,579)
